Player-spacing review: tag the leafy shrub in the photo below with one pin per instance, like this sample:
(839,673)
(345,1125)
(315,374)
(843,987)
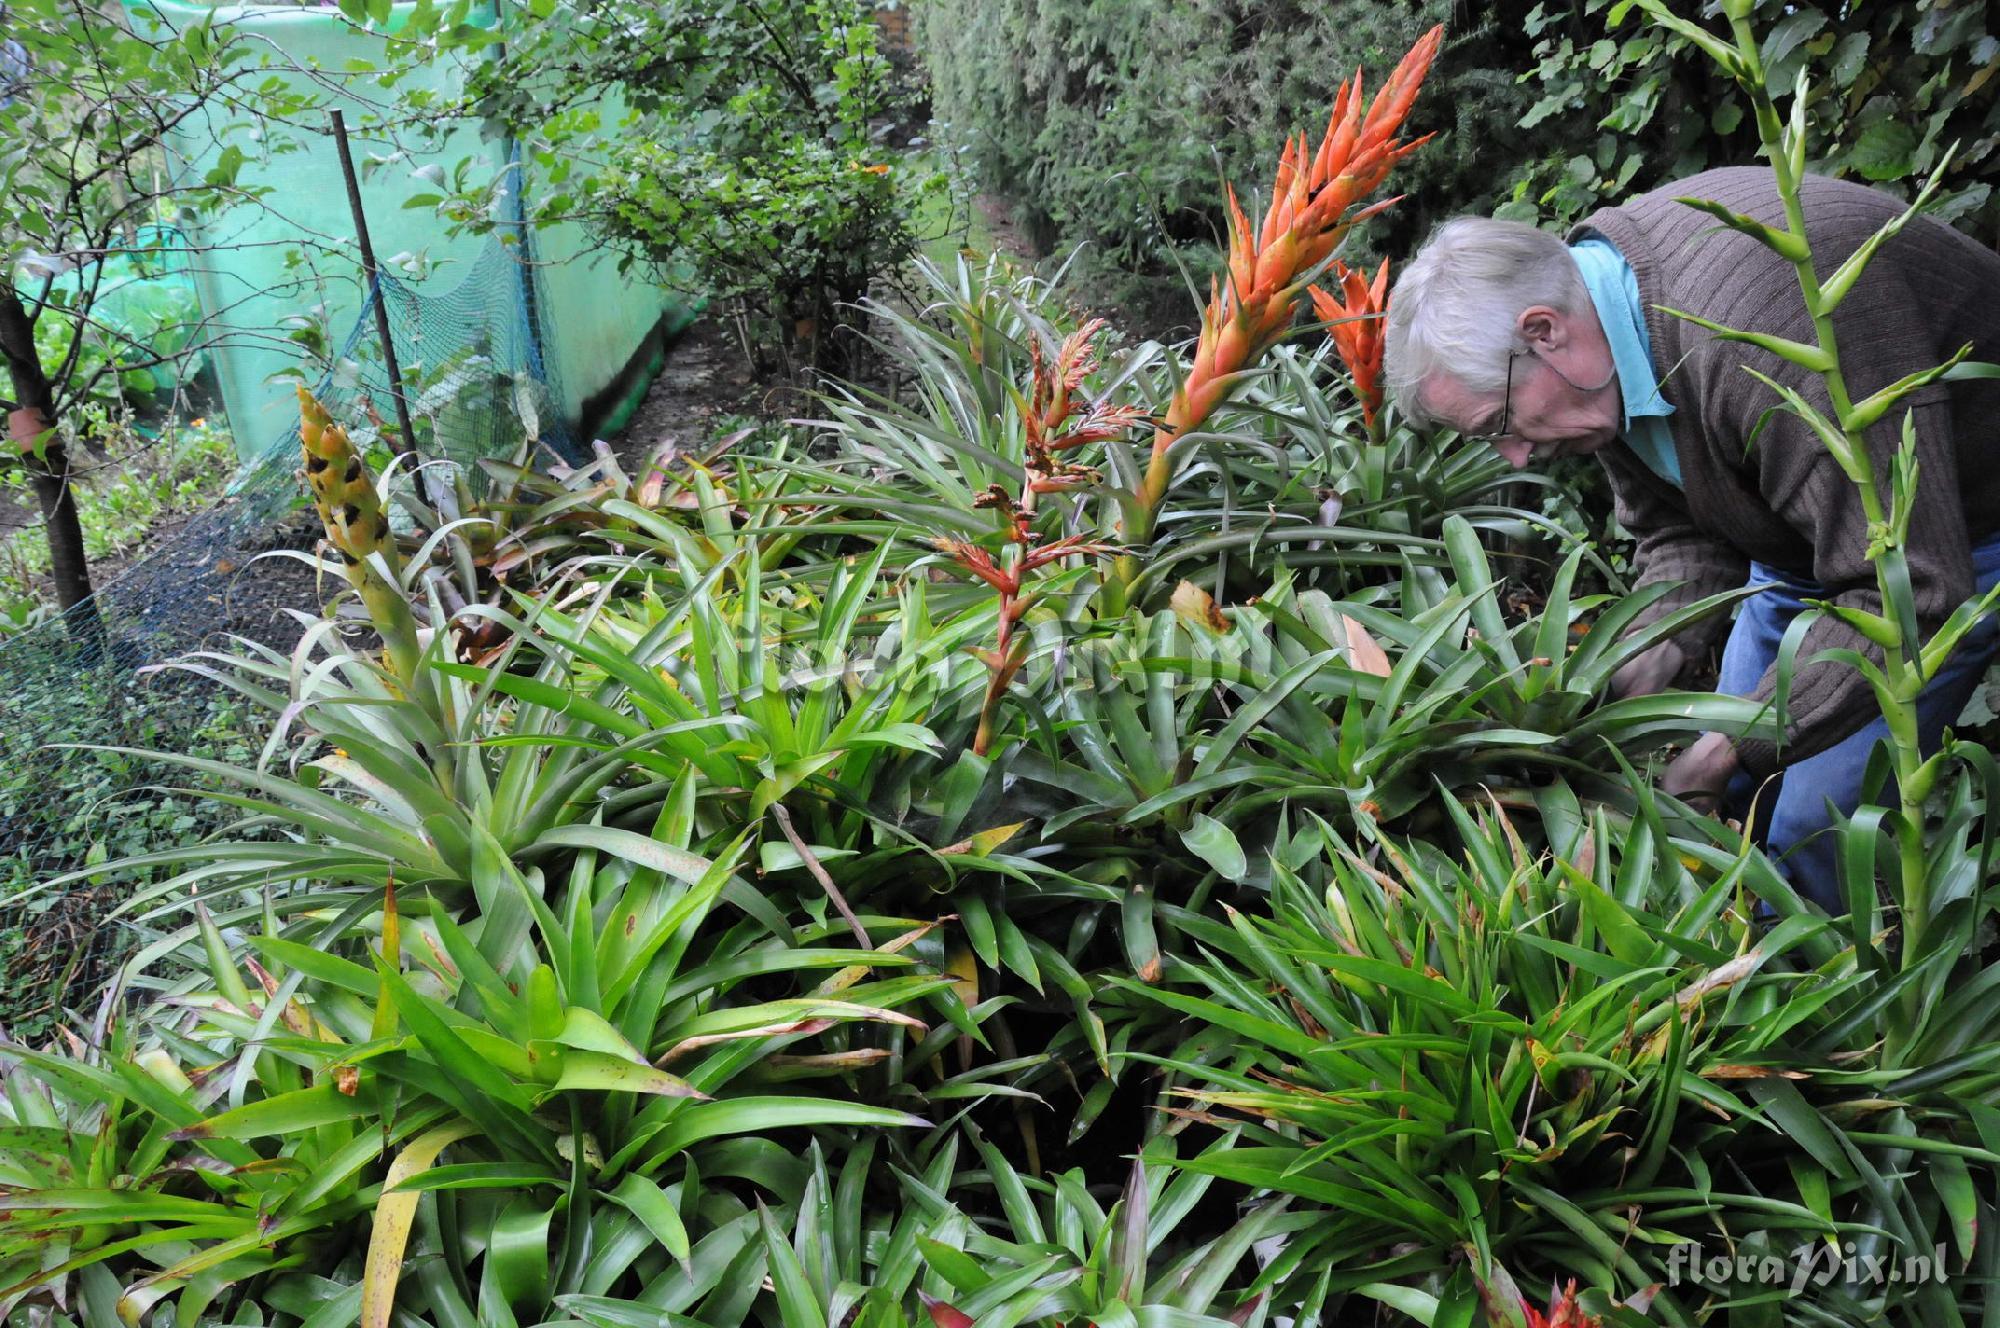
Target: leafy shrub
(732,148)
(1108,124)
(138,342)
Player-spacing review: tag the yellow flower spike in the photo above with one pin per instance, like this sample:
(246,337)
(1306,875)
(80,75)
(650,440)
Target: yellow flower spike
(343,492)
(342,488)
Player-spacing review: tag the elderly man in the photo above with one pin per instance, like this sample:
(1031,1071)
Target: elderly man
(1547,348)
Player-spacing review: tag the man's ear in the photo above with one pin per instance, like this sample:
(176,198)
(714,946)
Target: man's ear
(1543,328)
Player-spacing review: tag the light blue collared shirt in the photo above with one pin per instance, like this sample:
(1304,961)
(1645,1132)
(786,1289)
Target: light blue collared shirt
(1614,290)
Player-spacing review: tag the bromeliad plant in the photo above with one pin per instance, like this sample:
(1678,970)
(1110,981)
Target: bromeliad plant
(1558,1062)
(1939,917)
(316,1081)
(1367,709)
(1310,213)
(357,529)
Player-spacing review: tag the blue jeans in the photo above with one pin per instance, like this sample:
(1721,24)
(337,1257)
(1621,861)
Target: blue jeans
(1798,824)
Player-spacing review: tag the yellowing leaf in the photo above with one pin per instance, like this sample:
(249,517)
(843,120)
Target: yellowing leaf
(983,843)
(383,1025)
(964,969)
(963,966)
(394,1212)
(852,974)
(614,1074)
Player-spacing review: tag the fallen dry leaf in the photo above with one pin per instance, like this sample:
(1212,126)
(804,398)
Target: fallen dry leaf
(1197,608)
(1362,652)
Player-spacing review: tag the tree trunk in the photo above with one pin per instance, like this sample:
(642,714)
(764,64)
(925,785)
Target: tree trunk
(47,469)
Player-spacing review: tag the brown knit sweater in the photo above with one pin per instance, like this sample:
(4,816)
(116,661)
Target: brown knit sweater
(1783,501)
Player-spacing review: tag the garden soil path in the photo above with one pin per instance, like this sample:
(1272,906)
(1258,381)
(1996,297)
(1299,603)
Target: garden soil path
(704,383)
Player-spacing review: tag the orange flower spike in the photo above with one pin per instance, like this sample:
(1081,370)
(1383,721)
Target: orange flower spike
(1242,254)
(1288,190)
(1102,423)
(1392,104)
(1342,127)
(1034,415)
(1564,1311)
(1357,330)
(1308,216)
(978,562)
(1068,547)
(1078,357)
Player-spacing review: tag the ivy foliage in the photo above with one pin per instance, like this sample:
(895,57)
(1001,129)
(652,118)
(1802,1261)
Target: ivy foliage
(1625,106)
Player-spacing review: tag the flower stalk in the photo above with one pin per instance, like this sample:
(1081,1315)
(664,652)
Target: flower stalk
(1313,202)
(1908,661)
(1055,420)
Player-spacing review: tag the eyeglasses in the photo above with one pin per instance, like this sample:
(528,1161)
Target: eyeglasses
(1506,406)
(1507,401)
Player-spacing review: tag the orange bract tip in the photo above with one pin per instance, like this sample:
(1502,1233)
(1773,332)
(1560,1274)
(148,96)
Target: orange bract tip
(1313,193)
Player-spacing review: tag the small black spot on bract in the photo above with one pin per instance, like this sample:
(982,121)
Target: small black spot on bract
(315,464)
(349,514)
(353,474)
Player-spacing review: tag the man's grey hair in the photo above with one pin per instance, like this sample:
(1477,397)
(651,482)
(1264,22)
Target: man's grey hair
(1454,308)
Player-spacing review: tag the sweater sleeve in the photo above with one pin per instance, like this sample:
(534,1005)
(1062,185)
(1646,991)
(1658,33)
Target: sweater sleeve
(1831,700)
(1669,547)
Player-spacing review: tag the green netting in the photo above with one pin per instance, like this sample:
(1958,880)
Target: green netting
(142,307)
(533,333)
(63,807)
(271,274)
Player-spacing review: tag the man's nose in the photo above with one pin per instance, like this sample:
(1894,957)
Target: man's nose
(1515,451)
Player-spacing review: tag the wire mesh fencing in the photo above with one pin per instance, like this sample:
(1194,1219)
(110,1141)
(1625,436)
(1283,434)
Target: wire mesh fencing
(476,385)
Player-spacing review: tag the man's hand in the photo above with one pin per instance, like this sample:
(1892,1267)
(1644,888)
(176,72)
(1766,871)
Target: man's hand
(1651,671)
(1702,771)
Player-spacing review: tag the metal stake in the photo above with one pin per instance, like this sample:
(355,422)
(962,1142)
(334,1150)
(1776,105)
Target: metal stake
(404,445)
